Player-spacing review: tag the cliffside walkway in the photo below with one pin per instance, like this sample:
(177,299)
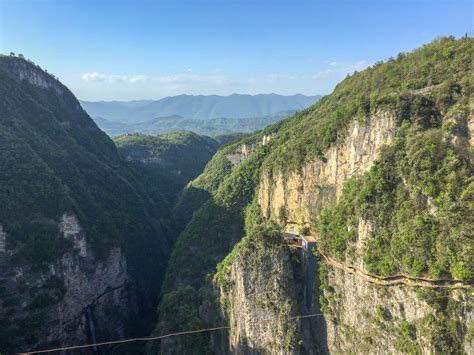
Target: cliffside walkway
(396,279)
(400,279)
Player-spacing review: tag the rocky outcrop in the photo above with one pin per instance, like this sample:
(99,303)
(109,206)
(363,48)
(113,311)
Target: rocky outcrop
(350,310)
(470,125)
(379,319)
(26,70)
(259,294)
(3,237)
(71,230)
(243,151)
(304,193)
(74,297)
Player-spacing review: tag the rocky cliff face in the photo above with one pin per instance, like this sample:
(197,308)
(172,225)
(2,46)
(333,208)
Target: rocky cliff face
(260,302)
(258,323)
(351,313)
(263,295)
(243,151)
(380,319)
(304,193)
(470,125)
(74,296)
(25,70)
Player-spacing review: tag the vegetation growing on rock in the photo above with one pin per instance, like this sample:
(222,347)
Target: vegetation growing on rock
(217,224)
(419,195)
(443,64)
(54,161)
(170,161)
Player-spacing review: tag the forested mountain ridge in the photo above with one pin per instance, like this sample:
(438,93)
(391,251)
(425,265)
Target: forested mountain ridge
(212,127)
(170,160)
(83,239)
(380,173)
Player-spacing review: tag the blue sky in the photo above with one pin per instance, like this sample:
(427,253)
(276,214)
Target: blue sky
(125,50)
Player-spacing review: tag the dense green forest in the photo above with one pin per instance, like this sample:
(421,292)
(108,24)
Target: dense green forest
(443,64)
(419,193)
(168,161)
(54,160)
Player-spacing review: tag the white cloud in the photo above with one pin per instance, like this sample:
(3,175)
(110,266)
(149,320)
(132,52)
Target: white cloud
(341,68)
(94,77)
(138,79)
(109,78)
(320,80)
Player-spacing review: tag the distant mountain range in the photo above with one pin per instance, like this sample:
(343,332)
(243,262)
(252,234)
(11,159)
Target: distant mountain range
(197,107)
(208,115)
(212,127)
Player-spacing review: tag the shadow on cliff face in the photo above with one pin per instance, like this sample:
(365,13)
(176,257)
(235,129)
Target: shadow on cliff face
(189,201)
(318,325)
(313,330)
(210,235)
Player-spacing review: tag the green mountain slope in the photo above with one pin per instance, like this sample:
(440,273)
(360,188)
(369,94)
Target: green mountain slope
(212,208)
(418,194)
(53,151)
(170,160)
(55,162)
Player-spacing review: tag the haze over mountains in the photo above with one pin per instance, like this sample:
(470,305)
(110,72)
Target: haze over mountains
(199,107)
(106,239)
(208,115)
(213,127)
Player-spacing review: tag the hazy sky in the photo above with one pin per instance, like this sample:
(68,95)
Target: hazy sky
(125,50)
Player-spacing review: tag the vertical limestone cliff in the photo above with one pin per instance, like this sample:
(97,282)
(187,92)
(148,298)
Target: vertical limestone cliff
(72,298)
(26,70)
(259,303)
(263,289)
(377,178)
(304,193)
(269,275)
(244,150)
(378,319)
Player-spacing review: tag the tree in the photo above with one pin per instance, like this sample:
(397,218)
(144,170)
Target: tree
(283,215)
